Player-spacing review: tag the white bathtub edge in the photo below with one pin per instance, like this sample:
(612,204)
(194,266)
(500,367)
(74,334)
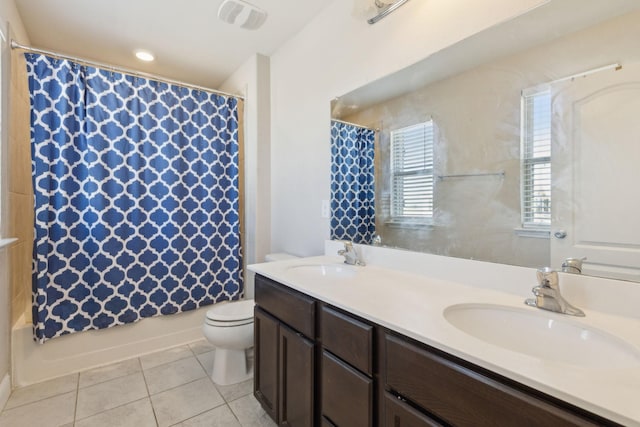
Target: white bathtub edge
(33,362)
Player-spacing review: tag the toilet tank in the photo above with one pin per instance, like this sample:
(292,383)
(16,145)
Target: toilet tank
(281,256)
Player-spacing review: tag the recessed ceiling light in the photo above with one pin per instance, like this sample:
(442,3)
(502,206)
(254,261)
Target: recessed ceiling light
(144,55)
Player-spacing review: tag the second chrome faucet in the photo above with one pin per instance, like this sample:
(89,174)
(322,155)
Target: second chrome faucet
(547,294)
(350,254)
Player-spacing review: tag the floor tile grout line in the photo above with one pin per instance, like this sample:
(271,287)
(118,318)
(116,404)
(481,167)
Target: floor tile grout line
(110,379)
(144,378)
(203,412)
(141,372)
(173,361)
(5,409)
(123,404)
(75,407)
(181,385)
(166,363)
(115,407)
(234,414)
(203,367)
(239,397)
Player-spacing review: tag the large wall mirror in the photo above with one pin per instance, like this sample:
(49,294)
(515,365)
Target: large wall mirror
(519,145)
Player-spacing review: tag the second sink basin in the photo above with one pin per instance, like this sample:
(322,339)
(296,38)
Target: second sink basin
(329,271)
(547,336)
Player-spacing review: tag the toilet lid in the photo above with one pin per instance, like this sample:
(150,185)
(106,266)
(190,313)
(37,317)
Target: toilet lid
(232,311)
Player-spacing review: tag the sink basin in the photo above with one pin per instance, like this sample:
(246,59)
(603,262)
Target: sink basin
(548,336)
(329,271)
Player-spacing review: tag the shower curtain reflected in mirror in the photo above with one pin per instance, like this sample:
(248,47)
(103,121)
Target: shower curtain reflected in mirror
(136,197)
(352,183)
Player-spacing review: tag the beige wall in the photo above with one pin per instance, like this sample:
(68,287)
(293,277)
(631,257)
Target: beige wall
(20,191)
(12,27)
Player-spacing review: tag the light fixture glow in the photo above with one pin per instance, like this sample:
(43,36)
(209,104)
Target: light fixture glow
(144,55)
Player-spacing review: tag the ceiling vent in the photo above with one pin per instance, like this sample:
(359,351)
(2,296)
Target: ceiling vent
(242,14)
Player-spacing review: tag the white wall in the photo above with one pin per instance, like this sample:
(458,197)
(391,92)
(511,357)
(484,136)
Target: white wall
(333,55)
(252,80)
(9,13)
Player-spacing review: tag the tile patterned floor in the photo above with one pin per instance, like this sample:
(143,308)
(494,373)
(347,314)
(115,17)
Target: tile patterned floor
(168,388)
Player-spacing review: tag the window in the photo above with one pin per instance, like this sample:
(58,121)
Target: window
(412,173)
(536,158)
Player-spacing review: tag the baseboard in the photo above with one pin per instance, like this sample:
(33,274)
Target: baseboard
(5,390)
(33,362)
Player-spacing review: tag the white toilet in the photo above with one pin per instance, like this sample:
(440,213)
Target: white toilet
(229,328)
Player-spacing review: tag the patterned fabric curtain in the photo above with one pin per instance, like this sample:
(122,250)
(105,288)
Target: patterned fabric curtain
(136,198)
(352,183)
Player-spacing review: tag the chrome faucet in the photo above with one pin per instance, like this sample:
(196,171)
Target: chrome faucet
(573,265)
(548,295)
(350,254)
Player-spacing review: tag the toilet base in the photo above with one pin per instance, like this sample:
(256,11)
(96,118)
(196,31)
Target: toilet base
(230,367)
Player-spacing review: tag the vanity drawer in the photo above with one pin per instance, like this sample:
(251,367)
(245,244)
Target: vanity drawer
(347,395)
(461,396)
(400,414)
(348,338)
(291,307)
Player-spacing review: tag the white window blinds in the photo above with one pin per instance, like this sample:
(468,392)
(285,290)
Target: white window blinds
(536,159)
(412,172)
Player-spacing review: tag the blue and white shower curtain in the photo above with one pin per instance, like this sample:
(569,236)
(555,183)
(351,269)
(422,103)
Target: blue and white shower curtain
(136,197)
(352,183)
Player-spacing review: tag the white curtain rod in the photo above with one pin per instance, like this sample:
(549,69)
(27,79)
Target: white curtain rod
(615,66)
(355,124)
(16,45)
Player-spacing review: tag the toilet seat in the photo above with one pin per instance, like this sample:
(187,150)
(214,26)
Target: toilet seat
(233,313)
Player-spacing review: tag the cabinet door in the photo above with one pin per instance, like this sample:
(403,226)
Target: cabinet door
(347,395)
(399,414)
(296,381)
(265,384)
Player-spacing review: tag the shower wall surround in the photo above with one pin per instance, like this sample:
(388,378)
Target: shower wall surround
(20,192)
(137,197)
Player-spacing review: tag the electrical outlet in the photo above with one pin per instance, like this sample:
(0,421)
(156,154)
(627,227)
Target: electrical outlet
(326,209)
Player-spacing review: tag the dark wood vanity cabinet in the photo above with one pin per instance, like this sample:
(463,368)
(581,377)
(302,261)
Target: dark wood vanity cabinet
(451,392)
(316,365)
(284,351)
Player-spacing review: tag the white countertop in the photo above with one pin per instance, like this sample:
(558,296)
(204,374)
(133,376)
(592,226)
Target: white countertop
(413,305)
